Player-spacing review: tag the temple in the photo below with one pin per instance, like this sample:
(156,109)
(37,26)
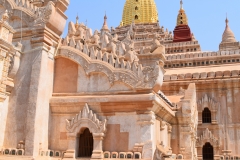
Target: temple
(137,91)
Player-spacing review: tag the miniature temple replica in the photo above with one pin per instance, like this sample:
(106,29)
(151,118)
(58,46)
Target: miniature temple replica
(137,91)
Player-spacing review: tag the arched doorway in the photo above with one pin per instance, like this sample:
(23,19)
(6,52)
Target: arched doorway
(85,144)
(207,152)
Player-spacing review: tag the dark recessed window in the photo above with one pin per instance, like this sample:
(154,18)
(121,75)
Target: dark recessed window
(136,16)
(206,116)
(207,151)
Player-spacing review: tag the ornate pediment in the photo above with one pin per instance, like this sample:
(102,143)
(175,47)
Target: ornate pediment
(207,102)
(86,118)
(105,52)
(132,74)
(207,136)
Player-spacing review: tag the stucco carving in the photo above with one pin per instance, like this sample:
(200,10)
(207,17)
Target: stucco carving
(207,136)
(117,69)
(207,102)
(105,52)
(84,115)
(43,14)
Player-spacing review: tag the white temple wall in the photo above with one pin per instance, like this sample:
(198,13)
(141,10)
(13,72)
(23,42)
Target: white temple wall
(3,117)
(58,133)
(18,104)
(127,124)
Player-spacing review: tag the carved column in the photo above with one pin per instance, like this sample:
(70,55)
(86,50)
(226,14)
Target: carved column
(146,122)
(169,136)
(200,117)
(97,146)
(162,128)
(71,152)
(214,117)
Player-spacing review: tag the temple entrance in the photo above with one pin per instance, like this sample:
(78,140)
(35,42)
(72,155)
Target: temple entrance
(85,144)
(207,152)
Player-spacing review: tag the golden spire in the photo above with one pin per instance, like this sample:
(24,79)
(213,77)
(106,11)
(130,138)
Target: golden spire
(182,17)
(139,11)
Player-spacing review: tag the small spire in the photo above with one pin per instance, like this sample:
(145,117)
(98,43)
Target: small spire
(181,4)
(226,20)
(77,24)
(105,17)
(77,18)
(105,26)
(228,35)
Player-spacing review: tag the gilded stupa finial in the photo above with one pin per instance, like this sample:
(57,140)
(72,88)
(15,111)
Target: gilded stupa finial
(181,4)
(141,11)
(182,17)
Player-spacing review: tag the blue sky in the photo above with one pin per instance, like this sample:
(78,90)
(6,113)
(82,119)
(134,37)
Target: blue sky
(206,17)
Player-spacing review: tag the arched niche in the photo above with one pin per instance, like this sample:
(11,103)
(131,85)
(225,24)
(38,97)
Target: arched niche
(75,126)
(207,102)
(207,137)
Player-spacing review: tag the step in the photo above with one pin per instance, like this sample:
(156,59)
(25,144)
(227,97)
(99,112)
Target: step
(16,157)
(10,157)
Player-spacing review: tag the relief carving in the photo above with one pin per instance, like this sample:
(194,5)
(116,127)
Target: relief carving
(86,115)
(43,14)
(207,136)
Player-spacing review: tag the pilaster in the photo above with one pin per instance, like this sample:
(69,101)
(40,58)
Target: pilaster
(147,121)
(97,151)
